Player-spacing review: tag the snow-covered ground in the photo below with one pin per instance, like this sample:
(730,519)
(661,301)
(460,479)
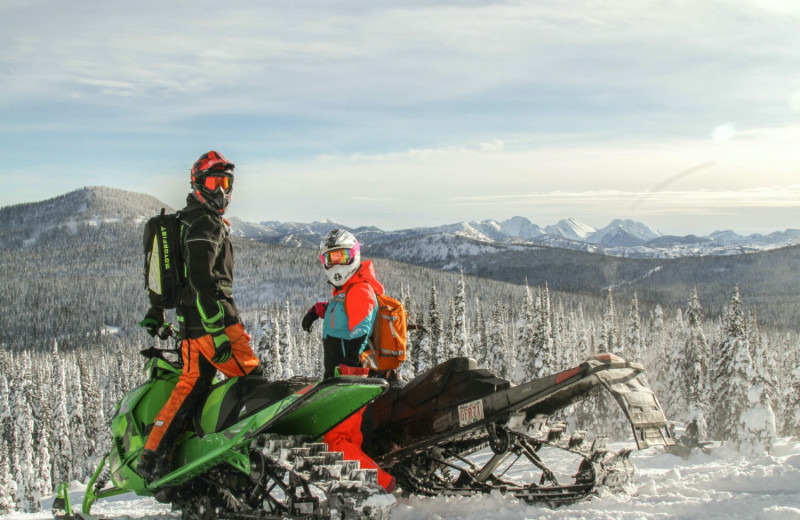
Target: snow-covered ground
(718,485)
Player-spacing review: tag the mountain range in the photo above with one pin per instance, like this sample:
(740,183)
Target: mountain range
(624,238)
(57,248)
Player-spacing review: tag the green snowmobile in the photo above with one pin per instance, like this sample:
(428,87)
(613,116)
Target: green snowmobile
(250,452)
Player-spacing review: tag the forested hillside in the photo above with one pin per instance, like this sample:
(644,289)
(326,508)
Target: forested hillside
(72,294)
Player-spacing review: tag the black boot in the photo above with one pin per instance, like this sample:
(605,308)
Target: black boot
(152,466)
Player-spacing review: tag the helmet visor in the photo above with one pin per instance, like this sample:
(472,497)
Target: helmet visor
(212,182)
(338,257)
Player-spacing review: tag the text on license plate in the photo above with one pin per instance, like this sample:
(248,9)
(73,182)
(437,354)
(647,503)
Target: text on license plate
(469,413)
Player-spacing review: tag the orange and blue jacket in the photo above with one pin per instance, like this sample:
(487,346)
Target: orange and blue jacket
(351,312)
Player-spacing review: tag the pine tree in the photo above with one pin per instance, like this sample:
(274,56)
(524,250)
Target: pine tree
(497,355)
(286,343)
(678,375)
(732,375)
(61,441)
(609,332)
(408,368)
(262,346)
(634,347)
(696,355)
(758,425)
(43,474)
(656,361)
(460,333)
(479,336)
(450,347)
(564,351)
(792,413)
(436,329)
(273,363)
(543,355)
(424,359)
(525,360)
(77,427)
(27,492)
(7,485)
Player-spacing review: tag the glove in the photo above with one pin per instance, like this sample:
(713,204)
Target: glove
(315,312)
(222,348)
(153,320)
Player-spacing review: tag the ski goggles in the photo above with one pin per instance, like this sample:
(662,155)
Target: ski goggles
(338,257)
(212,182)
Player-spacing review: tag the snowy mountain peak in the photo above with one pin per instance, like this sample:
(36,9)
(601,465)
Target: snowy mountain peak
(571,228)
(521,227)
(623,233)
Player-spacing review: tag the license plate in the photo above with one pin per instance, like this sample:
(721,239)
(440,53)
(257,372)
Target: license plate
(469,413)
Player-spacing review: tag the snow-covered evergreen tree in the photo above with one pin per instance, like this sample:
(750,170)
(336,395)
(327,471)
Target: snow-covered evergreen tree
(792,410)
(77,426)
(634,348)
(609,331)
(498,342)
(424,360)
(460,332)
(287,343)
(273,359)
(543,356)
(564,352)
(450,347)
(436,328)
(479,336)
(656,361)
(43,473)
(262,346)
(408,368)
(696,356)
(525,361)
(732,374)
(7,485)
(758,428)
(61,441)
(676,405)
(28,491)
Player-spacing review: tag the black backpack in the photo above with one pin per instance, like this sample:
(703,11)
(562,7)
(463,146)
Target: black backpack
(163,259)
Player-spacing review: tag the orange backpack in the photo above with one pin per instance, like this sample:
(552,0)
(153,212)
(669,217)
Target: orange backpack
(389,335)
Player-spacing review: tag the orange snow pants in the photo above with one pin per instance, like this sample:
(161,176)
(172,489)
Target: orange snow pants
(198,372)
(347,438)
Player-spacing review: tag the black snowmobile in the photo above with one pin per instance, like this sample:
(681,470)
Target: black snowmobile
(428,433)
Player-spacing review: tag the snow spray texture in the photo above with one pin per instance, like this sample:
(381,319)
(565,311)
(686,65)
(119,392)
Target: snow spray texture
(163,263)
(389,337)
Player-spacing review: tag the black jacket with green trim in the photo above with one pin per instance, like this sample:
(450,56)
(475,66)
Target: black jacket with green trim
(206,299)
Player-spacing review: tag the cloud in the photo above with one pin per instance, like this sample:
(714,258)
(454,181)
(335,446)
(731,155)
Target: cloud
(723,133)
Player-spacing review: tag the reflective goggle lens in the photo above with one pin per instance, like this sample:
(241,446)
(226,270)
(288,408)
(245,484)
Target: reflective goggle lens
(213,182)
(336,257)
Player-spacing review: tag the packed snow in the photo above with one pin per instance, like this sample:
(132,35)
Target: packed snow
(720,484)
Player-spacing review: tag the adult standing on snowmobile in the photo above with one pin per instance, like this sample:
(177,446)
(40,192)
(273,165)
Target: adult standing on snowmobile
(348,319)
(212,333)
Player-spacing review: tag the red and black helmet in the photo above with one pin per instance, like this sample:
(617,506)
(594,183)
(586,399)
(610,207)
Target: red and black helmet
(211,161)
(212,180)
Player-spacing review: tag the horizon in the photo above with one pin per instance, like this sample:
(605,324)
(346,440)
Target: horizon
(685,117)
(323,220)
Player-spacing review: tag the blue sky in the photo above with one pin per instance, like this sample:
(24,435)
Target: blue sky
(682,114)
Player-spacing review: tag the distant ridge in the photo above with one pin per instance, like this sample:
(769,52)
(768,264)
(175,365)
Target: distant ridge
(622,238)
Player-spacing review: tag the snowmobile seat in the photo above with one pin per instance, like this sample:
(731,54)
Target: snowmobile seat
(457,379)
(247,396)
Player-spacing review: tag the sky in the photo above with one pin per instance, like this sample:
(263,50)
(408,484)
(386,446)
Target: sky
(681,114)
